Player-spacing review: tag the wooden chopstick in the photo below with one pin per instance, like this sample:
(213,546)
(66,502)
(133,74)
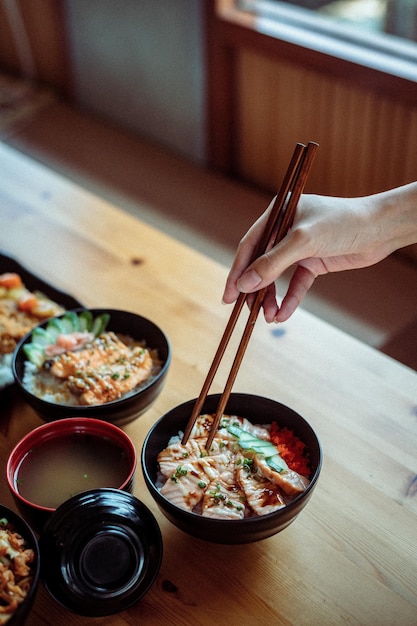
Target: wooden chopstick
(280,220)
(268,231)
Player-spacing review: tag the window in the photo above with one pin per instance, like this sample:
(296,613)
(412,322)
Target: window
(397,17)
(381,34)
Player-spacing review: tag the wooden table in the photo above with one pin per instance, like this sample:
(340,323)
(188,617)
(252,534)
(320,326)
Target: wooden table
(351,556)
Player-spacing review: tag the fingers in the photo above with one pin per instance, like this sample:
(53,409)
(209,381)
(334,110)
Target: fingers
(244,254)
(262,272)
(270,305)
(300,283)
(268,267)
(247,277)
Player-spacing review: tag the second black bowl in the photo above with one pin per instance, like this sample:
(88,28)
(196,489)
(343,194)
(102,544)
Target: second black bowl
(124,409)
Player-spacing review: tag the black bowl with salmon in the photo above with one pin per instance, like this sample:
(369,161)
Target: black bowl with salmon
(103,363)
(260,471)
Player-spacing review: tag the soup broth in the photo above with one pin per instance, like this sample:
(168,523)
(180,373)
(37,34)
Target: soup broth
(60,468)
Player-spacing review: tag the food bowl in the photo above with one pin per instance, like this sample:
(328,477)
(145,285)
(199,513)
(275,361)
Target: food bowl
(230,531)
(59,459)
(57,403)
(18,617)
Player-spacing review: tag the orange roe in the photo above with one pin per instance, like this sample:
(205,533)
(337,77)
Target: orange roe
(291,449)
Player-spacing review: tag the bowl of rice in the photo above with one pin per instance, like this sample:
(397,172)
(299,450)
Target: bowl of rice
(257,477)
(25,301)
(20,568)
(103,363)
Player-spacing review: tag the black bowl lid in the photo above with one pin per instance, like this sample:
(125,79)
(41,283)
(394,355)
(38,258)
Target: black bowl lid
(100,552)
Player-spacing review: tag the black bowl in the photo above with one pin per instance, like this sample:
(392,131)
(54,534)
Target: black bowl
(24,530)
(259,411)
(101,552)
(119,411)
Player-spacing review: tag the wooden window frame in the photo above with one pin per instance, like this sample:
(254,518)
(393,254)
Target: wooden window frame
(228,29)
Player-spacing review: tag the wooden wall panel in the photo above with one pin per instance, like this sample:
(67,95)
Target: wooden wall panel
(367,140)
(44,24)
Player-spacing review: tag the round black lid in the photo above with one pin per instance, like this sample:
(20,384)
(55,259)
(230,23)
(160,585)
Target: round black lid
(100,552)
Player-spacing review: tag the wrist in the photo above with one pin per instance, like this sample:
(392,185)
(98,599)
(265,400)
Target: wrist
(396,212)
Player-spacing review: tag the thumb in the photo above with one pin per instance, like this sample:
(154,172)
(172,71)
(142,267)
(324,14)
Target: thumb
(268,267)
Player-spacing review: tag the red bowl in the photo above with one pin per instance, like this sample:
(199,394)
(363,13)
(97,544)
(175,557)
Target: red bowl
(88,433)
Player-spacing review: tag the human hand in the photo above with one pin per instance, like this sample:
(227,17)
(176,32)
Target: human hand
(328,235)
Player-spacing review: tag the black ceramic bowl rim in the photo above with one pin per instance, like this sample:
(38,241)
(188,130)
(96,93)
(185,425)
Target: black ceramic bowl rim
(27,533)
(50,430)
(187,519)
(46,408)
(101,552)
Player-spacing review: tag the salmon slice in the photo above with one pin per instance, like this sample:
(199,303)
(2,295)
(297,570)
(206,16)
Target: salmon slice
(211,465)
(223,501)
(257,431)
(289,481)
(69,342)
(105,349)
(185,486)
(174,455)
(189,470)
(203,424)
(262,495)
(111,380)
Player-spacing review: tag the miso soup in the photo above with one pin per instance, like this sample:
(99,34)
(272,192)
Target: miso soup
(60,468)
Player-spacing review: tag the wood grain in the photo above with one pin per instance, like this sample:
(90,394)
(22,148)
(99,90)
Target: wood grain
(350,556)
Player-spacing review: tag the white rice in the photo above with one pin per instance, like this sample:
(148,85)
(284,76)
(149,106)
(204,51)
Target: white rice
(6,375)
(44,385)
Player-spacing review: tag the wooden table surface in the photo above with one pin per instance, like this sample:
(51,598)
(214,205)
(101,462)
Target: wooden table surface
(351,556)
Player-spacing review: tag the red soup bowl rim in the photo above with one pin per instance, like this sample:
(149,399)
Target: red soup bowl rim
(69,425)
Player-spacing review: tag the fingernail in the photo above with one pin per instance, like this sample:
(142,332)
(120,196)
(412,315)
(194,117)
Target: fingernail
(249,281)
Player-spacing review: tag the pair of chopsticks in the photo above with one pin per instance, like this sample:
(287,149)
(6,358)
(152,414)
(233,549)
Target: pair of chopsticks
(279,222)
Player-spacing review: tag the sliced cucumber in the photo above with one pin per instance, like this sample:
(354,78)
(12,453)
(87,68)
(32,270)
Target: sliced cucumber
(100,324)
(41,337)
(54,328)
(34,353)
(277,463)
(234,429)
(69,322)
(85,321)
(247,441)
